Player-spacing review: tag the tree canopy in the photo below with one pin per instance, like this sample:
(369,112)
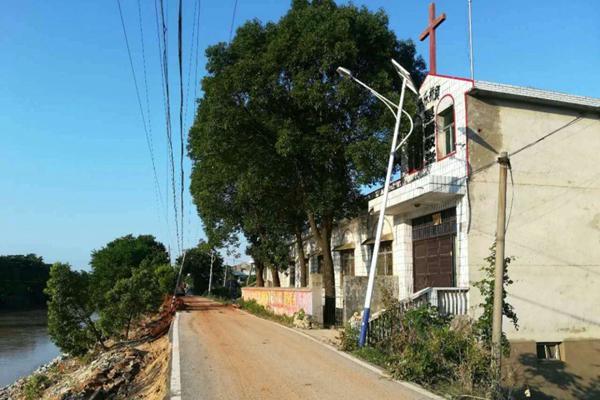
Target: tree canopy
(197,264)
(22,281)
(120,257)
(130,277)
(70,310)
(280,139)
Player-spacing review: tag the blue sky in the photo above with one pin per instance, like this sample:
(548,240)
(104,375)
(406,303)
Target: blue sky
(74,164)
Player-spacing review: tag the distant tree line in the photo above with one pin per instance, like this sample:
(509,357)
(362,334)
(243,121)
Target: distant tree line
(22,282)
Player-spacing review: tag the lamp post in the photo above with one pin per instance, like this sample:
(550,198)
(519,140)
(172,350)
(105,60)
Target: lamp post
(397,111)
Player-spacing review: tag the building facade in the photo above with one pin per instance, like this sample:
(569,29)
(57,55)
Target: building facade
(441,216)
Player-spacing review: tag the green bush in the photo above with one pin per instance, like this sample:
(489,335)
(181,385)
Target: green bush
(429,351)
(349,338)
(35,386)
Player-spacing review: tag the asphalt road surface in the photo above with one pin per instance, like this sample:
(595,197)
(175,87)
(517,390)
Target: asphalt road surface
(228,354)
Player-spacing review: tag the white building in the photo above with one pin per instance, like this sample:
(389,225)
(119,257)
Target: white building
(441,217)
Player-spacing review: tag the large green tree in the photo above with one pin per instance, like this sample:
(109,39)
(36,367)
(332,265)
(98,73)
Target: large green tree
(128,300)
(120,257)
(70,310)
(275,108)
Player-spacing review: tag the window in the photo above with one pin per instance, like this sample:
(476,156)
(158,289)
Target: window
(445,132)
(548,351)
(384,259)
(347,258)
(420,147)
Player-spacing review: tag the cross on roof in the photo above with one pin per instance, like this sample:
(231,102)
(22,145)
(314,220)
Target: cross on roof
(430,31)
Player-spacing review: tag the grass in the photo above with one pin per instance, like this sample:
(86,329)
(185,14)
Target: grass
(35,386)
(372,355)
(260,311)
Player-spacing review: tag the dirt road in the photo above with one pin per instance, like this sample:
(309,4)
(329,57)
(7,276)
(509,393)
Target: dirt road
(228,354)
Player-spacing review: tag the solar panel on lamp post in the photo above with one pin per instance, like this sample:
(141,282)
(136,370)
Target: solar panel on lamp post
(397,110)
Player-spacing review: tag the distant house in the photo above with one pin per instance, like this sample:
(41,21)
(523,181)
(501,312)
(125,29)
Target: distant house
(441,218)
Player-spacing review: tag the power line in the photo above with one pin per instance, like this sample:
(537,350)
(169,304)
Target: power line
(531,144)
(180,58)
(193,42)
(137,92)
(196,61)
(232,20)
(148,114)
(171,157)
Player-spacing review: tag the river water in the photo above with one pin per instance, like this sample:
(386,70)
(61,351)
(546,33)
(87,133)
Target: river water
(24,344)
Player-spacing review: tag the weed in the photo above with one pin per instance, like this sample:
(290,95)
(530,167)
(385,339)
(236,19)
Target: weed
(260,311)
(35,386)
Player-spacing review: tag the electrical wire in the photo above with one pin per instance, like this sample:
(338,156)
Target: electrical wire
(148,134)
(232,20)
(171,157)
(181,145)
(573,121)
(512,196)
(193,43)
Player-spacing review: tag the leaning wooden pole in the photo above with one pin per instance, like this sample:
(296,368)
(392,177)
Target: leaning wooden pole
(499,273)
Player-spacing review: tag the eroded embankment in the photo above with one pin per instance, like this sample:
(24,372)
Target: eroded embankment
(137,369)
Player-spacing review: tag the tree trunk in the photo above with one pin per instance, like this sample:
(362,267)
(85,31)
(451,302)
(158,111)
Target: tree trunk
(260,281)
(96,333)
(275,273)
(128,326)
(323,235)
(301,259)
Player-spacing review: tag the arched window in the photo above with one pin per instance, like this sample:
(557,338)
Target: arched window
(445,127)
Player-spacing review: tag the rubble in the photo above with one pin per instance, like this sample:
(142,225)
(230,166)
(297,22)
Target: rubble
(302,320)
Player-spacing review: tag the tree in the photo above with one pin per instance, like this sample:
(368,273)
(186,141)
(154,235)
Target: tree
(275,108)
(197,264)
(166,278)
(129,299)
(120,257)
(22,281)
(70,310)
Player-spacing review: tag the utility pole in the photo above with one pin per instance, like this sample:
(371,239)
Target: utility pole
(212,259)
(503,162)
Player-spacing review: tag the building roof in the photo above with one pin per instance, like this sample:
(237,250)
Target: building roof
(532,95)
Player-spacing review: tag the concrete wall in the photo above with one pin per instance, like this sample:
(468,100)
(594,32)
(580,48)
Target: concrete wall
(288,301)
(571,378)
(356,287)
(554,227)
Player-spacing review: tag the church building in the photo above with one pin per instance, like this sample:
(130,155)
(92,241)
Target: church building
(441,215)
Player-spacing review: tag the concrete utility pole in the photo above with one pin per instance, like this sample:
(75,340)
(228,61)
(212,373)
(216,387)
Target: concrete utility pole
(503,162)
(212,259)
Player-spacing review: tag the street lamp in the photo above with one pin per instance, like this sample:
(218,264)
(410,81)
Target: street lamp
(397,110)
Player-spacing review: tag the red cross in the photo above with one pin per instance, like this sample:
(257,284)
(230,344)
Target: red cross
(430,31)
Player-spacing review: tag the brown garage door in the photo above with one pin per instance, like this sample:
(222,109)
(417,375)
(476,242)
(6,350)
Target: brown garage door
(433,262)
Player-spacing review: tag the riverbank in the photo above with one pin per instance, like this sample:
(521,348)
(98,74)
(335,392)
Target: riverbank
(132,371)
(135,369)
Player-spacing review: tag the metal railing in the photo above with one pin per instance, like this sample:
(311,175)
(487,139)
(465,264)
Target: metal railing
(448,300)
